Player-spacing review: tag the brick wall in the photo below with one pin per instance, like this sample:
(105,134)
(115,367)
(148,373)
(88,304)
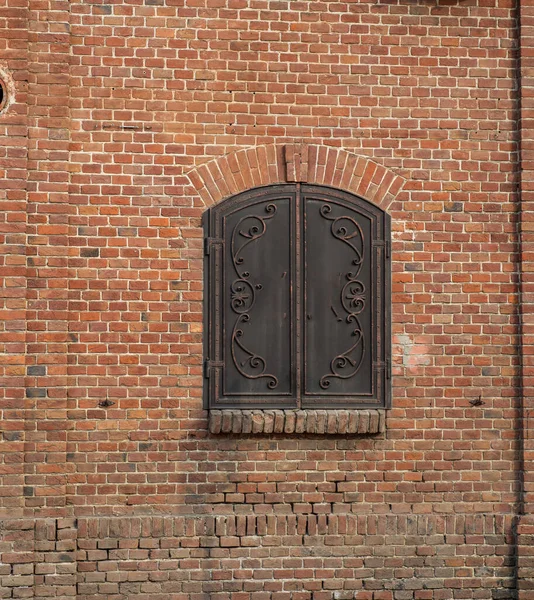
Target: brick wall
(525,540)
(139,115)
(13,182)
(326,557)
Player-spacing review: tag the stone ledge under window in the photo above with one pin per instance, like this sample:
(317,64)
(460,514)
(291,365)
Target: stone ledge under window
(329,422)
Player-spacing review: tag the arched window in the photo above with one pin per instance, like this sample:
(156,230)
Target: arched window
(297,302)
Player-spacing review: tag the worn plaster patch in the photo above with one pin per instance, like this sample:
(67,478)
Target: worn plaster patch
(8,88)
(413,355)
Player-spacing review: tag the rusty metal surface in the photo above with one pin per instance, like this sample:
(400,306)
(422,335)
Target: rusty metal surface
(297,303)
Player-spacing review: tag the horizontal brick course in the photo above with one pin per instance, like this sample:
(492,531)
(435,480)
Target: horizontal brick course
(339,422)
(308,555)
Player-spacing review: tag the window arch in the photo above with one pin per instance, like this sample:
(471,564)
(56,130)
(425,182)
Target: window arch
(297,301)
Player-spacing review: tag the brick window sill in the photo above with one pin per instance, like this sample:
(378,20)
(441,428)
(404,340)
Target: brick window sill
(325,422)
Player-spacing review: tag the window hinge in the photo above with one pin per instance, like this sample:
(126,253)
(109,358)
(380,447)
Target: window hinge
(209,243)
(209,365)
(386,244)
(384,366)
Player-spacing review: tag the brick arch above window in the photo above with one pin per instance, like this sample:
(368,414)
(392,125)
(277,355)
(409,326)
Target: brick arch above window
(322,165)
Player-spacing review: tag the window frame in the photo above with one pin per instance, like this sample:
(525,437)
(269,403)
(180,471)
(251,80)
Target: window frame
(214,281)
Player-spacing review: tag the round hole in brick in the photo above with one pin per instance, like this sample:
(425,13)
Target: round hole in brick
(3,95)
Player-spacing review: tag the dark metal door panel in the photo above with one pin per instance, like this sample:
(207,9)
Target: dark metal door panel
(254,319)
(298,300)
(343,314)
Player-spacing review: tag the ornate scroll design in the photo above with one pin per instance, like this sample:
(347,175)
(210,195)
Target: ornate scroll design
(243,296)
(352,297)
(255,364)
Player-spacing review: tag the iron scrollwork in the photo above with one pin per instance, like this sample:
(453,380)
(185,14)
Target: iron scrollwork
(352,297)
(243,296)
